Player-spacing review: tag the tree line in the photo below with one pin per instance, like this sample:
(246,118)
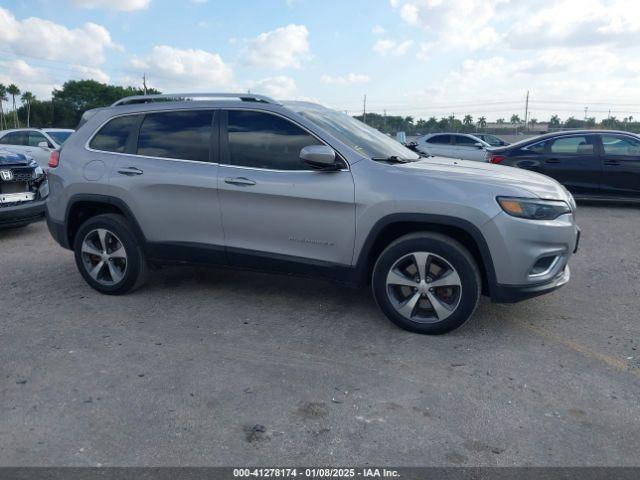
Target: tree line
(76,96)
(65,108)
(391,124)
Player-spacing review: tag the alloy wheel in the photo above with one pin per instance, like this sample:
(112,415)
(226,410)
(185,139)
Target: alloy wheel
(104,256)
(423,287)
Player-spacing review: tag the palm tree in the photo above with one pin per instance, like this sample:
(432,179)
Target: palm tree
(533,121)
(515,118)
(451,120)
(28,97)
(500,121)
(482,122)
(554,121)
(3,98)
(13,90)
(467,120)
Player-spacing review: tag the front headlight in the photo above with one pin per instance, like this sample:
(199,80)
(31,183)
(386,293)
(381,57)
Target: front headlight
(533,208)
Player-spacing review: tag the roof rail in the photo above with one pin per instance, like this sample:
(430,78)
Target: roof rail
(187,97)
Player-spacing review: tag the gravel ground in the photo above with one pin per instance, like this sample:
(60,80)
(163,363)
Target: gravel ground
(216,367)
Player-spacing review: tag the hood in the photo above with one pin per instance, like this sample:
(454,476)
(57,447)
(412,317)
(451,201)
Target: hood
(11,158)
(536,184)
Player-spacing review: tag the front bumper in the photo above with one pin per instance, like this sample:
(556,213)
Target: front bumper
(23,214)
(517,293)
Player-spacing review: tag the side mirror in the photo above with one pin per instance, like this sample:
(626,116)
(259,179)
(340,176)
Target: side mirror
(320,157)
(44,145)
(478,145)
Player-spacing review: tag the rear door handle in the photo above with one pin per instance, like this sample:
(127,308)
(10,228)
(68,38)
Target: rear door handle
(612,162)
(130,171)
(553,160)
(240,181)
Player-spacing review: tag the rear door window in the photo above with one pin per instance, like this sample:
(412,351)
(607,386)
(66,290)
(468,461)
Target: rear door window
(113,136)
(578,145)
(184,135)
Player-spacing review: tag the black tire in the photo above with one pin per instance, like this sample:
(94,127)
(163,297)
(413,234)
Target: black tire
(133,275)
(465,297)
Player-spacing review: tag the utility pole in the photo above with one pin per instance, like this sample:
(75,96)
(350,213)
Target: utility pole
(364,109)
(526,111)
(144,82)
(384,127)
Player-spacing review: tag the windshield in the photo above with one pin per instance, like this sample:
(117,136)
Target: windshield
(59,136)
(362,138)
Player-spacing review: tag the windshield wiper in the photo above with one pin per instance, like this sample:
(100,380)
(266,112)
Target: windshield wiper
(392,159)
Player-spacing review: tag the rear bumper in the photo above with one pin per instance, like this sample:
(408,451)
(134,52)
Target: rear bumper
(24,214)
(58,232)
(517,293)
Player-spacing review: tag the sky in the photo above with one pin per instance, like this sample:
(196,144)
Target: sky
(409,57)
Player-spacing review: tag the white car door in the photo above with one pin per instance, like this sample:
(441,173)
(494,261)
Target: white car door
(437,145)
(466,148)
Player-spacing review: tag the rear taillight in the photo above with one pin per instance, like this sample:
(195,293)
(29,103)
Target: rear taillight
(54,159)
(495,158)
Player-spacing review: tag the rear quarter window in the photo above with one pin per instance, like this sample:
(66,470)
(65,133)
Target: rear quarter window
(113,136)
(535,147)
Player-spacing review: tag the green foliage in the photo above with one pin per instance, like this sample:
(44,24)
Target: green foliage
(67,104)
(83,95)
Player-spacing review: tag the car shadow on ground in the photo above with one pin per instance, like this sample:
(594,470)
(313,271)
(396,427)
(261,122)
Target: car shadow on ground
(278,292)
(7,233)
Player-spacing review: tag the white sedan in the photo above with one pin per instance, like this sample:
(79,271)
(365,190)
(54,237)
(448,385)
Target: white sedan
(34,142)
(453,145)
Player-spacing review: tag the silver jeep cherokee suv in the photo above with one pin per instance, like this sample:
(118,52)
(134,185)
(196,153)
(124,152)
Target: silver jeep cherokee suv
(244,181)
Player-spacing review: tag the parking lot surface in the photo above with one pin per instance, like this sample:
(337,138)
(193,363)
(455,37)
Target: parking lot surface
(218,367)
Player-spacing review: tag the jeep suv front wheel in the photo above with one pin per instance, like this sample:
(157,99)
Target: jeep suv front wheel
(108,255)
(426,283)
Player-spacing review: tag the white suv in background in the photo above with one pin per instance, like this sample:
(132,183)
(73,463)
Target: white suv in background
(34,142)
(453,145)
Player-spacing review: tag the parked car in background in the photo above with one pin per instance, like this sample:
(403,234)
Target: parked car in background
(453,145)
(492,140)
(242,180)
(23,190)
(34,142)
(590,164)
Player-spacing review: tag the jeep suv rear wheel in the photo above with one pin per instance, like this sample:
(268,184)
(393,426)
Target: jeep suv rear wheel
(426,283)
(108,255)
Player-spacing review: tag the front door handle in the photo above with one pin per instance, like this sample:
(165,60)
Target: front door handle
(553,160)
(130,171)
(240,181)
(612,162)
